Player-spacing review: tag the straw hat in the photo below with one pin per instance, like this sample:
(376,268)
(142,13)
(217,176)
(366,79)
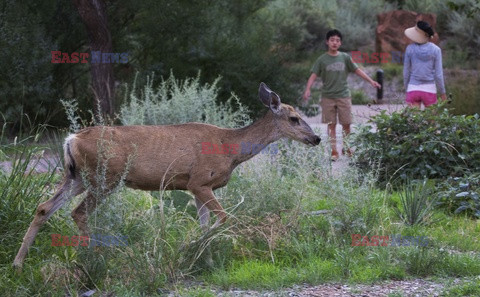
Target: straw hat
(421,33)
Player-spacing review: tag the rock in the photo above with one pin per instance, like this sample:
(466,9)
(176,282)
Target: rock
(88,293)
(391,25)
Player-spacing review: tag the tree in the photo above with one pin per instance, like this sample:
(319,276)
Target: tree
(94,16)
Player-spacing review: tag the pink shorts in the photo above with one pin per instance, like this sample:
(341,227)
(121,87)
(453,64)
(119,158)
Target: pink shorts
(417,97)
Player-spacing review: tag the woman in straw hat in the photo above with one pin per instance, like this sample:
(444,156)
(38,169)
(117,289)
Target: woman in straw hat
(422,71)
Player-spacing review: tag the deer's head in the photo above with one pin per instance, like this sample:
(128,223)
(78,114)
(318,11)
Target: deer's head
(288,122)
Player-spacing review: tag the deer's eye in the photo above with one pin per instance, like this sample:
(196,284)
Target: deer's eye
(294,120)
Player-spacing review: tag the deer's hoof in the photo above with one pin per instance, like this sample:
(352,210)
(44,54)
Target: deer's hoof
(17,267)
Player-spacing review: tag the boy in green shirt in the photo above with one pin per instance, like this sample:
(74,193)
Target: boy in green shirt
(333,68)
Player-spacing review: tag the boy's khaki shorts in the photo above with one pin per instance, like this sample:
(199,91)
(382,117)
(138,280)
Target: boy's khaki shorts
(332,107)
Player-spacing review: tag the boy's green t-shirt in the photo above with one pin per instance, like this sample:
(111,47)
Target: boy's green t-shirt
(333,70)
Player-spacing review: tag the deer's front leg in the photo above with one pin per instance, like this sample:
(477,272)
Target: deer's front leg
(204,197)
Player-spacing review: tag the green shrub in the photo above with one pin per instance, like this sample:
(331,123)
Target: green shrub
(421,6)
(462,22)
(27,83)
(461,195)
(392,70)
(415,144)
(464,85)
(310,109)
(360,98)
(176,102)
(455,57)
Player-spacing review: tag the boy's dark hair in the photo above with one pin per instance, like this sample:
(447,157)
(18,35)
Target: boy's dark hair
(334,32)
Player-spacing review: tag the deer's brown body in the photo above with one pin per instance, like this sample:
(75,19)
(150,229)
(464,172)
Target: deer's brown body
(163,158)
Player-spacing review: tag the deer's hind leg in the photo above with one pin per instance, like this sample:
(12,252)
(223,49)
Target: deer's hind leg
(82,211)
(70,187)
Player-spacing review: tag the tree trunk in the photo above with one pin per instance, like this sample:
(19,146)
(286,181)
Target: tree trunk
(94,16)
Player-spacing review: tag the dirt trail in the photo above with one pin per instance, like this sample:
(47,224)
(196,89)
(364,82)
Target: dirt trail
(361,115)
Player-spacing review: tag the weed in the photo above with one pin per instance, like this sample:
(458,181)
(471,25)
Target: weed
(416,207)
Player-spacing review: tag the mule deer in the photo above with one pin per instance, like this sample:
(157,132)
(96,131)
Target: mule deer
(165,157)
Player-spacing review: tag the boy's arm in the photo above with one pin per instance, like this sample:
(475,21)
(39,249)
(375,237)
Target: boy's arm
(306,94)
(363,75)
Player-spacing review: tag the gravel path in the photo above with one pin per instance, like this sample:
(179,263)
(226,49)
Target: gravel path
(391,288)
(405,288)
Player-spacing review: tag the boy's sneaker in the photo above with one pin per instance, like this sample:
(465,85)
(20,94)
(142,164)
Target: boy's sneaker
(335,156)
(347,152)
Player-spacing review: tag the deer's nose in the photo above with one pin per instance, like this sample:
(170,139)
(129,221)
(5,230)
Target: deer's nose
(317,140)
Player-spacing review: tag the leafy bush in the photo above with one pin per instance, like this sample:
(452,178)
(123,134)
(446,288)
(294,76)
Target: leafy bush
(176,102)
(461,194)
(415,144)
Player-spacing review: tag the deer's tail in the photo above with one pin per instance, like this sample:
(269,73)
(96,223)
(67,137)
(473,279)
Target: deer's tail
(70,165)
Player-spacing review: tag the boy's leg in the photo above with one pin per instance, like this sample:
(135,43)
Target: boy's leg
(329,117)
(346,131)
(332,134)
(345,119)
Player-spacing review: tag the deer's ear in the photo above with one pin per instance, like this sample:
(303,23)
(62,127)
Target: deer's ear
(275,103)
(269,98)
(264,94)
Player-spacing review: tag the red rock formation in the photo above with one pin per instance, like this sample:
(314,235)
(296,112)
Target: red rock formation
(392,24)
